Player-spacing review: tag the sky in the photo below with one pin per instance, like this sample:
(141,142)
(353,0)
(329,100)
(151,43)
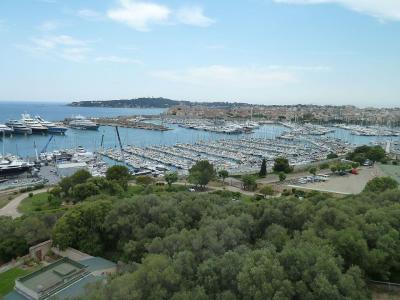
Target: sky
(255,51)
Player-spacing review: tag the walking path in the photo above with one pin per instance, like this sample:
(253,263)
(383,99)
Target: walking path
(11,209)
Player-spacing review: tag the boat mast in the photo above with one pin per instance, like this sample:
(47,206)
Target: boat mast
(4,141)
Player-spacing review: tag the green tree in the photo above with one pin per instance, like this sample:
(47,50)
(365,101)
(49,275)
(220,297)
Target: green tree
(144,180)
(67,183)
(263,170)
(263,277)
(119,174)
(223,174)
(249,182)
(376,153)
(82,227)
(332,156)
(11,244)
(84,190)
(281,164)
(170,178)
(313,170)
(381,184)
(80,176)
(266,190)
(282,176)
(201,173)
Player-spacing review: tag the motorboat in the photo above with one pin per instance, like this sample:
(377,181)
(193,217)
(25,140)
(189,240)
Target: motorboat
(52,127)
(5,130)
(82,123)
(18,127)
(33,124)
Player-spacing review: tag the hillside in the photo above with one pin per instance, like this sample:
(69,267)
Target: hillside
(148,103)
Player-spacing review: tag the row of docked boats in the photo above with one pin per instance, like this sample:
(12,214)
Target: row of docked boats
(31,125)
(217,126)
(28,125)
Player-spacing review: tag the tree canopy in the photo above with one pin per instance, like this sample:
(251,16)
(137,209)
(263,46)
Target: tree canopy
(263,169)
(381,184)
(201,173)
(362,153)
(171,177)
(281,164)
(224,245)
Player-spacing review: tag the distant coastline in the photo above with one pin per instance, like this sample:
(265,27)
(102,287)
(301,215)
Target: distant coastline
(150,103)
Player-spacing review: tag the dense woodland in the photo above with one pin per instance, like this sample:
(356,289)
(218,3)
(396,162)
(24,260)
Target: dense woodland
(173,244)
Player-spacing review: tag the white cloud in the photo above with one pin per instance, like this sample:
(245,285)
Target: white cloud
(381,9)
(219,75)
(140,15)
(51,42)
(117,59)
(318,68)
(193,16)
(58,46)
(75,54)
(49,25)
(89,14)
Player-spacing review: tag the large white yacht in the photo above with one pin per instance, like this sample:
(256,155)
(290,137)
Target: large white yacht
(18,127)
(13,165)
(33,124)
(52,127)
(80,122)
(5,130)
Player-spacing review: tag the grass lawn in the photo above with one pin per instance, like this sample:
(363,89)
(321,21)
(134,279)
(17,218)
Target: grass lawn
(4,199)
(37,203)
(7,279)
(392,171)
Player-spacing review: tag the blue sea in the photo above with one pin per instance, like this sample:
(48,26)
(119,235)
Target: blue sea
(24,145)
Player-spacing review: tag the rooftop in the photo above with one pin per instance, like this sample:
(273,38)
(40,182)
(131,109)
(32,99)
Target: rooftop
(53,277)
(62,279)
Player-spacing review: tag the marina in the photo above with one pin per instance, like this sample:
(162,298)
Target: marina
(234,155)
(218,125)
(369,131)
(157,151)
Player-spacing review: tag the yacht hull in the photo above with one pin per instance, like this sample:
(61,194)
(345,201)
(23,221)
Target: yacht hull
(13,170)
(57,130)
(94,127)
(22,131)
(39,130)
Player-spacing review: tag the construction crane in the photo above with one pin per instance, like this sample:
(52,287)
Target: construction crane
(120,144)
(47,144)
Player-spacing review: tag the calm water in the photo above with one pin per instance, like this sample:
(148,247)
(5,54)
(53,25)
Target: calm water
(24,145)
(58,112)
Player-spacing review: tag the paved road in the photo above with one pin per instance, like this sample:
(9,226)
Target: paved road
(11,209)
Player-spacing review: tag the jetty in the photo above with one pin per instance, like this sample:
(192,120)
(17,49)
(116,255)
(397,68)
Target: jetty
(129,122)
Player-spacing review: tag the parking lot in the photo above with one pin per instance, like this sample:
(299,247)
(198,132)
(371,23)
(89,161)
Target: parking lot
(347,184)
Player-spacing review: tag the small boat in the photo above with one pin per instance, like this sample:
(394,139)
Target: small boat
(52,127)
(82,123)
(33,124)
(18,127)
(6,130)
